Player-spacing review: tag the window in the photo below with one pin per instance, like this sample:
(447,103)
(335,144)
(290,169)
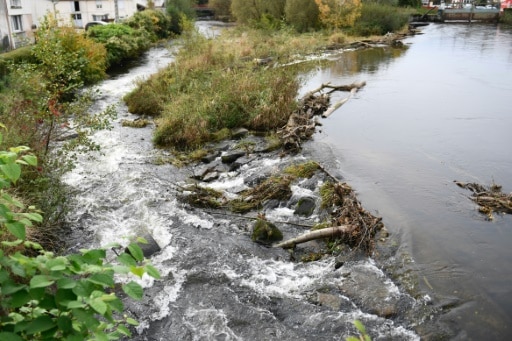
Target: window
(103,17)
(77,16)
(17,23)
(15,3)
(99,4)
(76,6)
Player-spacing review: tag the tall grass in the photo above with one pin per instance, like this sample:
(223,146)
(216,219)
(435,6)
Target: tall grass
(221,84)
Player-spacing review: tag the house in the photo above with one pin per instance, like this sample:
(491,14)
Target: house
(17,23)
(20,18)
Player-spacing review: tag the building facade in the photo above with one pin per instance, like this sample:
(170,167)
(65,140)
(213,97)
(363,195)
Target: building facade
(19,19)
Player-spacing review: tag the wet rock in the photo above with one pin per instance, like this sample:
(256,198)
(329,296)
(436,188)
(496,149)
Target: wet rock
(210,157)
(210,176)
(265,232)
(149,248)
(367,285)
(240,162)
(239,133)
(305,206)
(232,156)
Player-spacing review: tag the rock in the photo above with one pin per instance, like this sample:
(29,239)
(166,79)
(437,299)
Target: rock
(305,206)
(149,248)
(231,157)
(239,133)
(210,176)
(265,232)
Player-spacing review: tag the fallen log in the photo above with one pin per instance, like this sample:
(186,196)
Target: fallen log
(333,231)
(333,108)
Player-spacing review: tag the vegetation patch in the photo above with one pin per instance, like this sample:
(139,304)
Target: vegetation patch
(304,170)
(136,123)
(275,187)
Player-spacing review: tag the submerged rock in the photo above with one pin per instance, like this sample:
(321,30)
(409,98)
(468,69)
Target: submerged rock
(265,232)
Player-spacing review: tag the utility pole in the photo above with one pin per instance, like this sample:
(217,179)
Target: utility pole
(116,11)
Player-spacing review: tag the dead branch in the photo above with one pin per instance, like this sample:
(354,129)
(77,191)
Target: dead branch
(333,231)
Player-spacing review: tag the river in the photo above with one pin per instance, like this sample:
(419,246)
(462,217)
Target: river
(422,121)
(435,113)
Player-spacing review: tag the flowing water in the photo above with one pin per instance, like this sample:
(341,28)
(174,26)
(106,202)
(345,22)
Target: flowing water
(437,112)
(400,142)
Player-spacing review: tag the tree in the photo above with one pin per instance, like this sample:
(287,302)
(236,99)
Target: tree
(252,11)
(303,15)
(179,10)
(339,13)
(222,7)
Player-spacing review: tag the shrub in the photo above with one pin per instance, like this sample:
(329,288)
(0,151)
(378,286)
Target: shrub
(179,11)
(155,22)
(272,10)
(379,19)
(302,14)
(222,8)
(122,42)
(51,297)
(67,58)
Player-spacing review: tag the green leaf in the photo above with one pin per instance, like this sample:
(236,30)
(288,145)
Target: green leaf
(12,201)
(33,216)
(17,229)
(64,296)
(57,264)
(10,287)
(14,243)
(133,290)
(137,271)
(65,324)
(12,171)
(30,159)
(135,250)
(19,299)
(41,281)
(152,271)
(359,325)
(104,279)
(75,305)
(131,321)
(66,283)
(6,336)
(123,330)
(94,256)
(40,324)
(116,304)
(126,259)
(98,305)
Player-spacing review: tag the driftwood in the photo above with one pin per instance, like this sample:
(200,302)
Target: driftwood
(328,232)
(301,124)
(489,199)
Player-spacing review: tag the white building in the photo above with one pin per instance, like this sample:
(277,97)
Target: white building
(20,18)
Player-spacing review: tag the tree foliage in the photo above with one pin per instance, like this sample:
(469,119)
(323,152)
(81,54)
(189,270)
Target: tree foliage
(222,7)
(339,13)
(252,11)
(121,41)
(303,15)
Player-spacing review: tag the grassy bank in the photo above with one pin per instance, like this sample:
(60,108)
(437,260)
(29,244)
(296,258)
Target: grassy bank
(237,80)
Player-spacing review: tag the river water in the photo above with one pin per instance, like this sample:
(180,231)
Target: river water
(422,121)
(432,114)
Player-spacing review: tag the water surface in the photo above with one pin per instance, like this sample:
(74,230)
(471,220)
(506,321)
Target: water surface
(436,112)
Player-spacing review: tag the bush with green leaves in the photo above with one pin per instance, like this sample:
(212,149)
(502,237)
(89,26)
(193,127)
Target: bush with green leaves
(379,19)
(154,22)
(121,41)
(303,15)
(44,296)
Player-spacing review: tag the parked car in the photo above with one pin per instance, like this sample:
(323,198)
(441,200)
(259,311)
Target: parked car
(94,23)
